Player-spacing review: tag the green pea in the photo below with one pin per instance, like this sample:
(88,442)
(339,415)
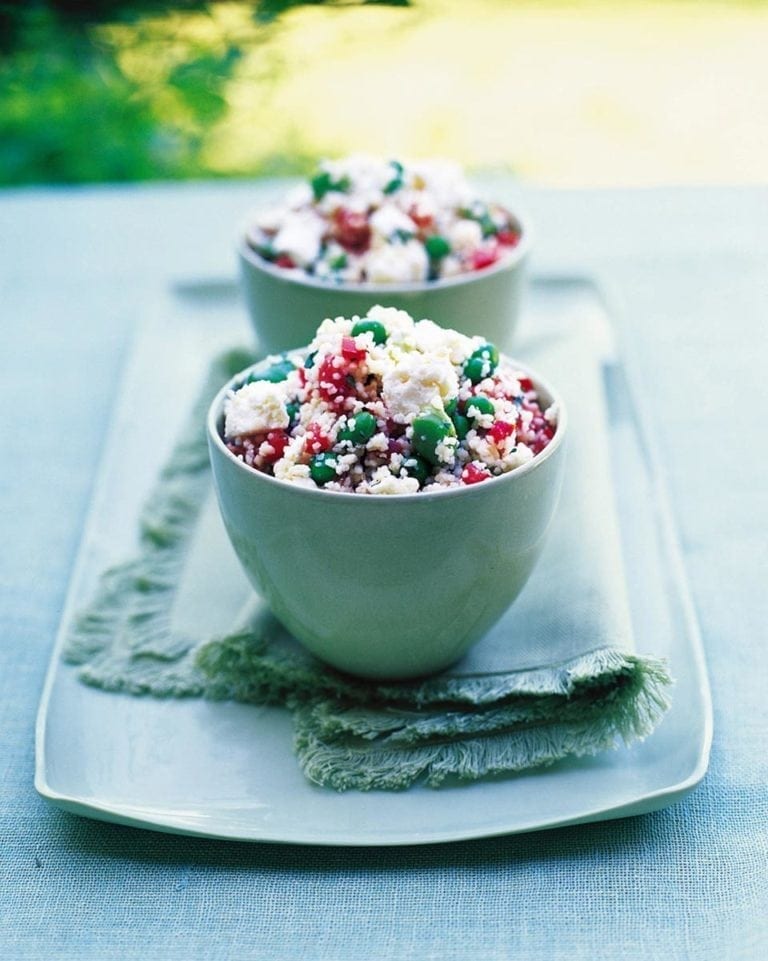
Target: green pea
(417,467)
(309,362)
(477,406)
(491,351)
(342,185)
(293,410)
(429,431)
(394,185)
(321,184)
(274,374)
(476,369)
(482,363)
(371,327)
(488,225)
(461,425)
(322,468)
(397,179)
(450,406)
(437,247)
(362,430)
(479,211)
(338,263)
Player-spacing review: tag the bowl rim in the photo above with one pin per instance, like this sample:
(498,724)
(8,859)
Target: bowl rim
(216,410)
(298,278)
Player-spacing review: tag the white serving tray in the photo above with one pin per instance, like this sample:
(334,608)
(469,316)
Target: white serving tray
(227,770)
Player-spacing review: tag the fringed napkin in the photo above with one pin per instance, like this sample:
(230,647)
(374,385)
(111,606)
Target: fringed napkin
(557,677)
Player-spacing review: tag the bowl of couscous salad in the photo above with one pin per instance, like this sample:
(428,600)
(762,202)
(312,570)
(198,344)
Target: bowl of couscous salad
(364,230)
(388,487)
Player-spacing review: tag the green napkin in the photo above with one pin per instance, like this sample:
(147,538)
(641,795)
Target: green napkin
(557,677)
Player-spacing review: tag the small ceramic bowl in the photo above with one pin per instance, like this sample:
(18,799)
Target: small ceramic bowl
(286,306)
(388,586)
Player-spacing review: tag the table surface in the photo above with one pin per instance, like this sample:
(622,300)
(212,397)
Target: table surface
(688,267)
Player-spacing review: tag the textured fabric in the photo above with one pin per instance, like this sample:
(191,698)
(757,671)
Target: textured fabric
(688,882)
(555,678)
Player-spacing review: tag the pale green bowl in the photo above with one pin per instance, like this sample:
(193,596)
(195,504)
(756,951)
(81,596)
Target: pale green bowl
(286,307)
(388,586)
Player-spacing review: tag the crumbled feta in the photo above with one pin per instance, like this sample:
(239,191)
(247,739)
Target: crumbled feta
(401,263)
(256,407)
(431,339)
(446,451)
(271,218)
(450,266)
(385,482)
(417,382)
(388,219)
(298,196)
(465,235)
(286,471)
(398,323)
(300,237)
(378,442)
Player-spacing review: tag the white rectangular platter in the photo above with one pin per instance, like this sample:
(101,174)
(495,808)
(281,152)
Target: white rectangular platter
(227,770)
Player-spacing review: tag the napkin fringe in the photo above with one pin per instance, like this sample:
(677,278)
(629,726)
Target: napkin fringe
(132,605)
(349,766)
(630,687)
(368,751)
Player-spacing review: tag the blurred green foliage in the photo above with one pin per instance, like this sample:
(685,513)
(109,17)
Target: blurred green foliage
(70,114)
(119,90)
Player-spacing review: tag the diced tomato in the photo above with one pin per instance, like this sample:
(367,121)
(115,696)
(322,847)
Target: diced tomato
(484,257)
(500,430)
(284,260)
(352,230)
(540,438)
(350,350)
(237,447)
(333,379)
(472,474)
(422,220)
(278,441)
(316,441)
(508,238)
(526,384)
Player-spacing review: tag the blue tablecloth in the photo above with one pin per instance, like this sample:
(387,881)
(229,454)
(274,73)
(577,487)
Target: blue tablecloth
(690,266)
